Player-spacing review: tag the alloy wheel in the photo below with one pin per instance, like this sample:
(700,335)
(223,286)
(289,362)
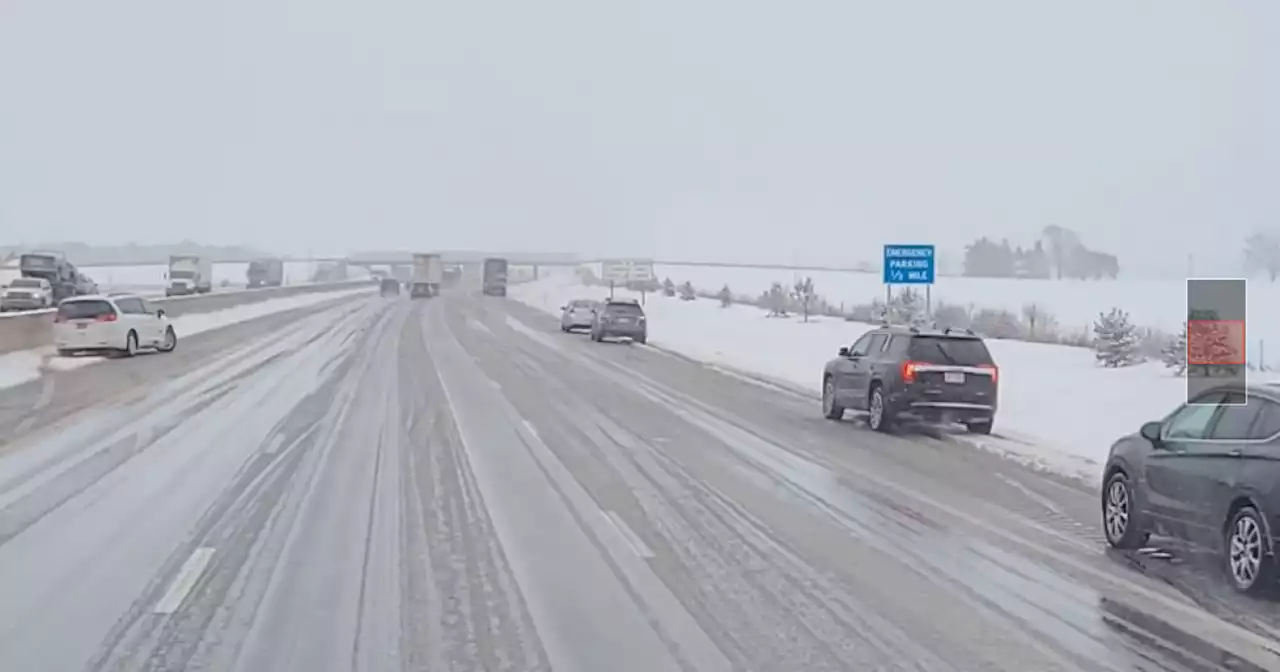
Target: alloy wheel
(1245,548)
(1116,514)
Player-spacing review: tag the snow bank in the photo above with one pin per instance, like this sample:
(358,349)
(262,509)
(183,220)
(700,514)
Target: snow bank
(1057,408)
(23,366)
(1075,303)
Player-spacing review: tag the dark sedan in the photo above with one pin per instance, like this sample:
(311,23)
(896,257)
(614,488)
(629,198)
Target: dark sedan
(1209,473)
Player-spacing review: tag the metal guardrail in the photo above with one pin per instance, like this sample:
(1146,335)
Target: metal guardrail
(34,329)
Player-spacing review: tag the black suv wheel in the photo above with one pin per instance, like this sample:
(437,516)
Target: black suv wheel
(879,415)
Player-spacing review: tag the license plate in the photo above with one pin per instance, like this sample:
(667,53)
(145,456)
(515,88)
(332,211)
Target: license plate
(956,377)
(82,326)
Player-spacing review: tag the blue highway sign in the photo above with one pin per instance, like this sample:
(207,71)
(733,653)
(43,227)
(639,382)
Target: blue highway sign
(908,265)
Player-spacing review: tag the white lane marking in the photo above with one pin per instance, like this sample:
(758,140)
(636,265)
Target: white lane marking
(630,537)
(185,580)
(532,430)
(479,326)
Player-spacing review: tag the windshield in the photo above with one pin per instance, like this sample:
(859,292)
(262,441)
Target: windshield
(182,275)
(944,350)
(26,282)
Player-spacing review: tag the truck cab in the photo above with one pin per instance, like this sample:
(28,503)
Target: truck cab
(495,277)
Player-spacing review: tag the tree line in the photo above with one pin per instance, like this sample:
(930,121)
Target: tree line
(1058,253)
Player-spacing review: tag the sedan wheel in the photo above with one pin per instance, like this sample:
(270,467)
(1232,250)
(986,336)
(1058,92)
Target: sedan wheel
(1118,515)
(830,409)
(1249,562)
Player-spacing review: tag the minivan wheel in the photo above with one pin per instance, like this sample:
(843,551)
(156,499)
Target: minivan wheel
(879,417)
(131,344)
(1119,523)
(1250,565)
(170,342)
(830,409)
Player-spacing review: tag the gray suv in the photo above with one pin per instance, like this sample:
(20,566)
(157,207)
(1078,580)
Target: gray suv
(619,318)
(1207,473)
(895,373)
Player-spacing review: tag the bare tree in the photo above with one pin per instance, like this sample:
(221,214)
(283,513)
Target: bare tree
(1262,253)
(804,295)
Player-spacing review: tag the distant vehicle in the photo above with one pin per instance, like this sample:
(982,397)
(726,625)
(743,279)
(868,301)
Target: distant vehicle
(389,287)
(265,273)
(619,318)
(428,272)
(495,277)
(117,324)
(27,294)
(189,274)
(452,276)
(1207,473)
(578,314)
(898,372)
(51,266)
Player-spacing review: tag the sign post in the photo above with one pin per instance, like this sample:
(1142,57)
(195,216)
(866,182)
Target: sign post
(909,265)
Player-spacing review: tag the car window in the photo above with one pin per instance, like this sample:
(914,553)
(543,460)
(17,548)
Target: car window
(623,309)
(130,306)
(859,346)
(1235,418)
(876,344)
(80,310)
(949,350)
(1267,424)
(1192,420)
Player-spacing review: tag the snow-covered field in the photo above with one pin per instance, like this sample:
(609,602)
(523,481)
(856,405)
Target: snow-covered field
(26,365)
(1057,408)
(1151,303)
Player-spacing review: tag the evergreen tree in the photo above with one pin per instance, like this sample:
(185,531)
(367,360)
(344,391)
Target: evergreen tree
(668,287)
(776,300)
(1115,340)
(907,308)
(687,292)
(725,296)
(1174,355)
(804,295)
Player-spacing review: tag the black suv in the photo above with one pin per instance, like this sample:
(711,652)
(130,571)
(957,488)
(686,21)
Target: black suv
(619,318)
(1209,473)
(898,372)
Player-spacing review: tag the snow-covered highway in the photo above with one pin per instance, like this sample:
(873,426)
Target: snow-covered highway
(454,484)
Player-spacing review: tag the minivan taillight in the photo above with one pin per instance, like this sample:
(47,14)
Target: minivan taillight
(59,318)
(109,317)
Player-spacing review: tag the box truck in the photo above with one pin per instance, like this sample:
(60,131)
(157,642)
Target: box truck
(427,275)
(189,274)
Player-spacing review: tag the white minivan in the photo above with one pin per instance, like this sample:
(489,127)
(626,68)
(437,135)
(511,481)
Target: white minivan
(116,324)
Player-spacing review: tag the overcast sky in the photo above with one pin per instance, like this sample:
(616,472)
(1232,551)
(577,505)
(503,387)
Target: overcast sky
(713,129)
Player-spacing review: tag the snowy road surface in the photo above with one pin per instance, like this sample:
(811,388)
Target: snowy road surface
(455,485)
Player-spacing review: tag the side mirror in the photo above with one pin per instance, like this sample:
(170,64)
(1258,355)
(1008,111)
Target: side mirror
(844,351)
(159,312)
(1151,432)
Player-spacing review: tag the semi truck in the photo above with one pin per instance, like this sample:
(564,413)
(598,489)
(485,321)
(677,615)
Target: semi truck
(265,273)
(189,274)
(54,267)
(495,277)
(427,275)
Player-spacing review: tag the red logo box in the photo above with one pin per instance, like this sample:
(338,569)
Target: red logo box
(1216,342)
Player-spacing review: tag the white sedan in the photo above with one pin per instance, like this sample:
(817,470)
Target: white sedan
(115,324)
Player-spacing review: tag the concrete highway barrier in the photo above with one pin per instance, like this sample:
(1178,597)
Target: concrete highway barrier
(34,329)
